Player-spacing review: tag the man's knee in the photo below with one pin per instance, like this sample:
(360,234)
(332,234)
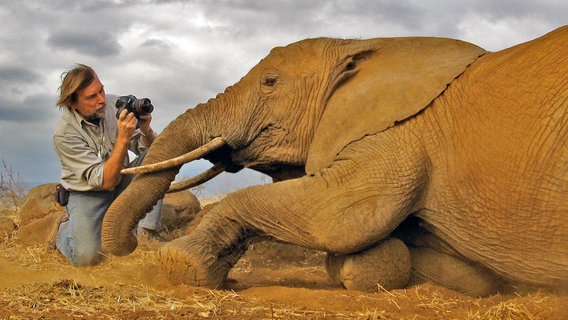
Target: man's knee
(86,256)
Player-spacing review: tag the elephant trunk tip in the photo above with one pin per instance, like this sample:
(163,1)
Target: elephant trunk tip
(122,248)
(116,239)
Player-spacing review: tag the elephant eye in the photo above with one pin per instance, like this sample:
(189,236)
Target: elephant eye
(270,81)
(350,66)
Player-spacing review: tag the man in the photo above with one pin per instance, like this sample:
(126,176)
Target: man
(92,145)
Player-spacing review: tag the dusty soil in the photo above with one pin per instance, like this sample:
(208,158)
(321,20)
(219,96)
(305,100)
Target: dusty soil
(272,281)
(37,284)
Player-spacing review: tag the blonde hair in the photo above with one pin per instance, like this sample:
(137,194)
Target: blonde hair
(71,82)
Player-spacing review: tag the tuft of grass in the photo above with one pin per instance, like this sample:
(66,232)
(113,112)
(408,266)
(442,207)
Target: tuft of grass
(12,189)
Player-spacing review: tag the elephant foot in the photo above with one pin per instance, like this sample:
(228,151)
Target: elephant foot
(193,260)
(384,267)
(453,273)
(186,261)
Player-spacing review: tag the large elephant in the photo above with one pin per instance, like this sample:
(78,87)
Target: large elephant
(406,159)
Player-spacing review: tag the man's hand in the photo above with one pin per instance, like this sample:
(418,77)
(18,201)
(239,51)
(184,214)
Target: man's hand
(145,123)
(126,125)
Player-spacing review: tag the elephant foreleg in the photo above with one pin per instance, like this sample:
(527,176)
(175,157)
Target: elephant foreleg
(205,256)
(195,261)
(347,208)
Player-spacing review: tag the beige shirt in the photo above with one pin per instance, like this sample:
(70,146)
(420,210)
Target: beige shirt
(83,147)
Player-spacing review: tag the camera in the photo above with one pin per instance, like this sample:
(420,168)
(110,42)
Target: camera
(131,104)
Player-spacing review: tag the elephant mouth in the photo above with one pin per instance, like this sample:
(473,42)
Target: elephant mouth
(281,171)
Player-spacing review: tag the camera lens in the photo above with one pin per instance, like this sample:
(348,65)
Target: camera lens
(145,106)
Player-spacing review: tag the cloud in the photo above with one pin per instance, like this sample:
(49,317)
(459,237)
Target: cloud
(18,74)
(100,44)
(27,111)
(13,81)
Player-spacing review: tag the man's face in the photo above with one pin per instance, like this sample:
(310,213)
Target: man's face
(91,101)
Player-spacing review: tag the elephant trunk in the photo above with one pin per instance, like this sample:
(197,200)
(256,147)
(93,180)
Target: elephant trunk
(120,221)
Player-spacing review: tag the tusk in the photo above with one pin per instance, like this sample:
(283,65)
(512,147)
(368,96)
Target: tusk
(177,161)
(199,179)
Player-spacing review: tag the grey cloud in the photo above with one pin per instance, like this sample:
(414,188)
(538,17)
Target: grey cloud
(72,5)
(18,74)
(553,10)
(315,16)
(34,108)
(11,111)
(155,43)
(102,43)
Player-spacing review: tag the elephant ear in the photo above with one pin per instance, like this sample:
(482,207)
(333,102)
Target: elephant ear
(381,82)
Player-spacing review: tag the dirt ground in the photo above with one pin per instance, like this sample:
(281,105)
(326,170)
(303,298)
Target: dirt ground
(272,281)
(266,284)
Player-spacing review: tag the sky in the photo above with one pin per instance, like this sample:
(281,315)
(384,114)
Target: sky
(181,53)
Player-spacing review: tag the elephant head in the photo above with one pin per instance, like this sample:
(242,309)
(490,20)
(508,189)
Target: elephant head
(295,111)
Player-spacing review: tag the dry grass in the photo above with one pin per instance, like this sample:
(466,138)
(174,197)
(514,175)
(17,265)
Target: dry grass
(99,298)
(12,188)
(73,298)
(77,299)
(69,298)
(433,305)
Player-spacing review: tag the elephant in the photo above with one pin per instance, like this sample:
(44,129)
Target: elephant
(406,160)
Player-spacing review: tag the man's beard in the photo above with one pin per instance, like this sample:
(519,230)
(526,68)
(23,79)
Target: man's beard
(98,114)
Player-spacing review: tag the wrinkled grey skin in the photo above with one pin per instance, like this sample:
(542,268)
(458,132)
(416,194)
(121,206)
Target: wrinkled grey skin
(471,175)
